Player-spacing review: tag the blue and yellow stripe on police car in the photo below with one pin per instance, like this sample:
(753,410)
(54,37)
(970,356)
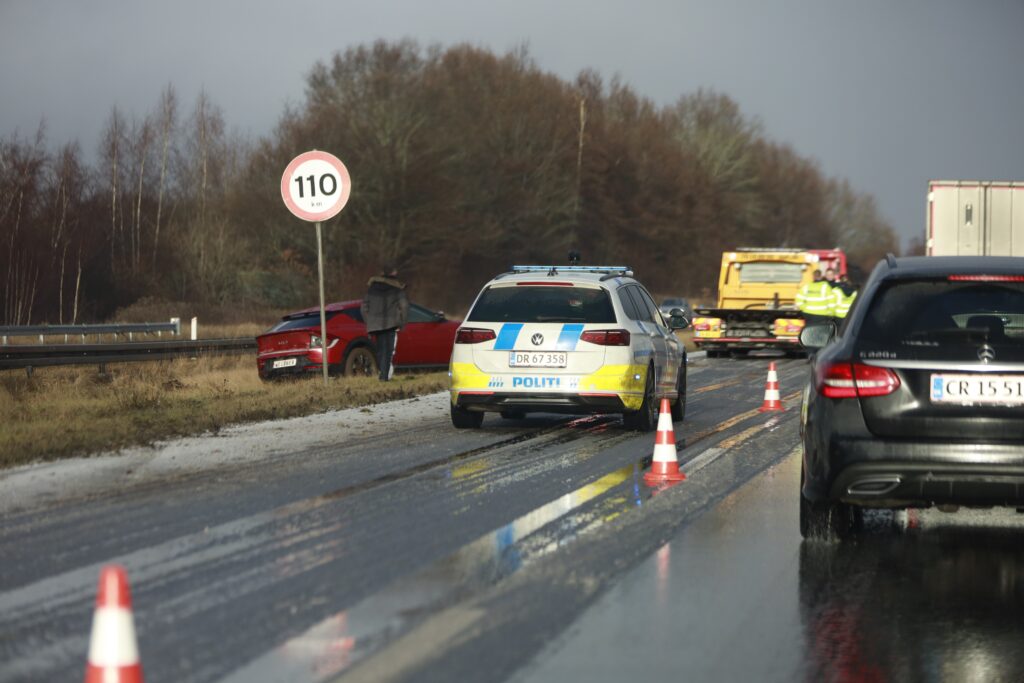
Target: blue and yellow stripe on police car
(625,381)
(508,335)
(569,337)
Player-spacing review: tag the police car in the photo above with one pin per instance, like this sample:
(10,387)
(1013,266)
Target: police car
(567,339)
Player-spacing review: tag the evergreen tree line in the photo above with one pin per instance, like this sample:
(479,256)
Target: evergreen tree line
(463,162)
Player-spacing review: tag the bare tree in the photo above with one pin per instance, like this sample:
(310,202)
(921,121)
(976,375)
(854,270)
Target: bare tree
(713,131)
(65,192)
(142,138)
(22,168)
(166,124)
(111,151)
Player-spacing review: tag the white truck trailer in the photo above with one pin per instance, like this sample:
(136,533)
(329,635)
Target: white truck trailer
(975,218)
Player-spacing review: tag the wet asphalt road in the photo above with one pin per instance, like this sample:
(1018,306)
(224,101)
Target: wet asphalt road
(738,596)
(435,554)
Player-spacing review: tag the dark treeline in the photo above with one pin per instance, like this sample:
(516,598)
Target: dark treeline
(463,163)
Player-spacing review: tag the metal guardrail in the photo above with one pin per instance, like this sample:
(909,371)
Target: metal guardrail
(130,329)
(41,355)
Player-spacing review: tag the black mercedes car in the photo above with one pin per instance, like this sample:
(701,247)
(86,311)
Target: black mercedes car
(918,398)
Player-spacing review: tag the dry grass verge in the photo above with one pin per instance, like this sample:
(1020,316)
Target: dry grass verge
(61,412)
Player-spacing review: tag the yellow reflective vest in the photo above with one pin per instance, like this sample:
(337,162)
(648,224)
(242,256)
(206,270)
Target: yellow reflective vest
(841,304)
(815,298)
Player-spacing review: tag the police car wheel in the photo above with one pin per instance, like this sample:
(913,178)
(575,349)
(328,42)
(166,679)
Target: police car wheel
(645,419)
(466,419)
(679,405)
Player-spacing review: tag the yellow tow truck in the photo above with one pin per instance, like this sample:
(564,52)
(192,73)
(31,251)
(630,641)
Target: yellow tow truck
(756,300)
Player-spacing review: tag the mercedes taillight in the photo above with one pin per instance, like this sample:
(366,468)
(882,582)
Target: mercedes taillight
(855,380)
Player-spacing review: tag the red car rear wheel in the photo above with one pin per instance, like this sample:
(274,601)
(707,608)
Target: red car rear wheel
(360,363)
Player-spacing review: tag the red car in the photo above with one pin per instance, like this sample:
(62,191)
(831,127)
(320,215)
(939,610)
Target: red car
(292,347)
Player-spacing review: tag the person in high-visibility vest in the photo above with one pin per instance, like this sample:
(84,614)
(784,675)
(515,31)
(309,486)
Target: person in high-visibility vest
(844,294)
(815,300)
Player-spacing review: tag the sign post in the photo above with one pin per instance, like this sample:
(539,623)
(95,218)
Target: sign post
(315,187)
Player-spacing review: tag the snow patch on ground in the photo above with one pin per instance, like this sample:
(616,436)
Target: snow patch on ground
(35,485)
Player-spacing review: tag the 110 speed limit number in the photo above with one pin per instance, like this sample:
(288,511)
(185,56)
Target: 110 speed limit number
(315,186)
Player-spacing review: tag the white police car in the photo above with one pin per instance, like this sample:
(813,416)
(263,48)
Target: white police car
(567,339)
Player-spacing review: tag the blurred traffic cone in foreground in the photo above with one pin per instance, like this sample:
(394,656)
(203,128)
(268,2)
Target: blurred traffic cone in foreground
(664,465)
(113,652)
(771,392)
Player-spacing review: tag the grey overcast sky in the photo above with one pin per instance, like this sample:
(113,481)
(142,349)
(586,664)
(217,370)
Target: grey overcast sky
(886,93)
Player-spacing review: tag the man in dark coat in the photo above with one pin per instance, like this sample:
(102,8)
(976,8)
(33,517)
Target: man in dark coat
(385,310)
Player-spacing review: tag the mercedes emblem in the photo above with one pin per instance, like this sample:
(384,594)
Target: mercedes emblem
(537,339)
(986,354)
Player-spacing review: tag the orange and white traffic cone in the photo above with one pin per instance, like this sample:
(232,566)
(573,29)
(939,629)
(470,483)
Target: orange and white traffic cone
(113,651)
(772,400)
(664,465)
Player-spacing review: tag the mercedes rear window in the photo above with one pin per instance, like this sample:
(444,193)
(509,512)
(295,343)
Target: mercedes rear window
(943,314)
(543,304)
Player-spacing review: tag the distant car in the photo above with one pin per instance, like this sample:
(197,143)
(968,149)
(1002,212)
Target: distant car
(292,346)
(918,399)
(676,302)
(570,339)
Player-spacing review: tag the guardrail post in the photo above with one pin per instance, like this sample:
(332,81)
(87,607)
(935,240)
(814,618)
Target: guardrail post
(195,328)
(177,326)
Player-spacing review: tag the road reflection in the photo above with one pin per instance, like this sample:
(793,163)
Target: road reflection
(333,645)
(935,604)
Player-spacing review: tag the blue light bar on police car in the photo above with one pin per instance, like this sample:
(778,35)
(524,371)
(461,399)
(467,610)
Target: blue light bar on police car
(571,269)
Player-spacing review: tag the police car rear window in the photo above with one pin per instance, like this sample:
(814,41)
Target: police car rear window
(526,304)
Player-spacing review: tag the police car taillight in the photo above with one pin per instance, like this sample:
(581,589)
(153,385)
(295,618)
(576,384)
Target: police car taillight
(473,335)
(606,337)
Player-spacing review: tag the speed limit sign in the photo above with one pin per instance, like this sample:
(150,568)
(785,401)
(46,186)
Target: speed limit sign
(315,186)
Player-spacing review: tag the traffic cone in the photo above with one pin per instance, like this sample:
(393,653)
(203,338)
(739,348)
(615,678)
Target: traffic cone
(771,392)
(664,465)
(113,652)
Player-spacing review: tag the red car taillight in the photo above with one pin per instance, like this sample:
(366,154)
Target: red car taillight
(856,380)
(606,337)
(473,335)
